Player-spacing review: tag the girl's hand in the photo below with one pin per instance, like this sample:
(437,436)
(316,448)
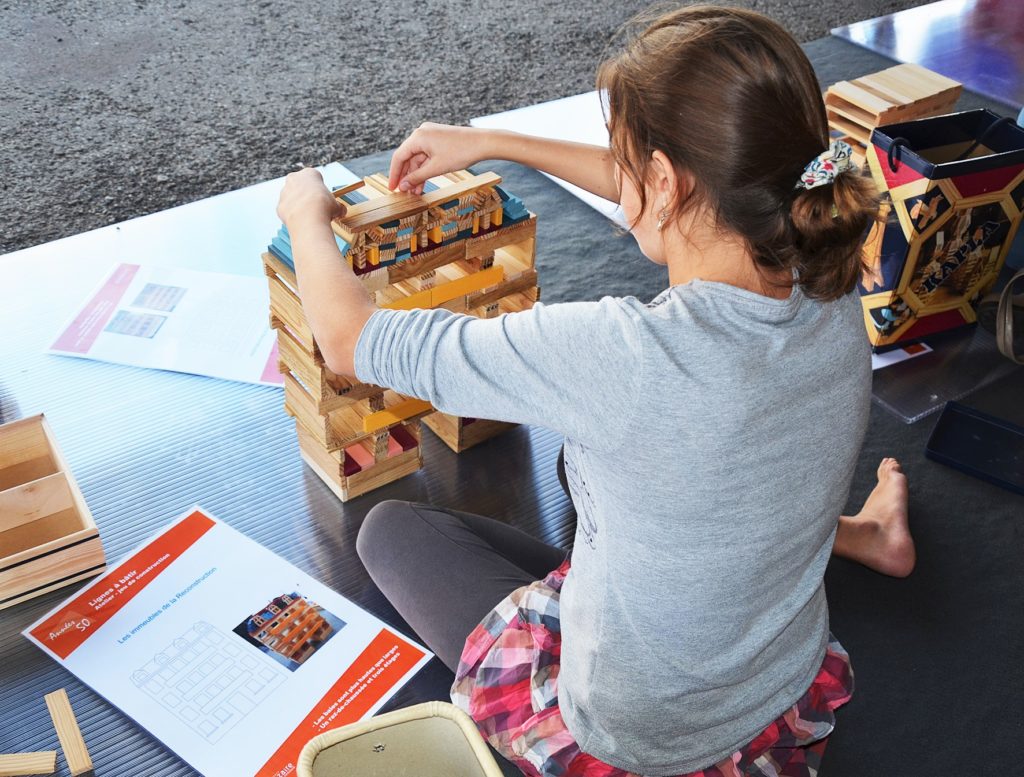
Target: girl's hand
(305,199)
(435,149)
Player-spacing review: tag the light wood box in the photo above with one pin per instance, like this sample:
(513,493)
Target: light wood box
(48,538)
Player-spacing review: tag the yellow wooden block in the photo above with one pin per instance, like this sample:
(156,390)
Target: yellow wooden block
(436,234)
(382,419)
(476,223)
(474,282)
(412,243)
(373,254)
(497,216)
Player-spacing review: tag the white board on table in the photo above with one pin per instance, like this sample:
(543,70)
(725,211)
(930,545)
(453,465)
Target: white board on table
(578,118)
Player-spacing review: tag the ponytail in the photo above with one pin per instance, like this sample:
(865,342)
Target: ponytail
(829,223)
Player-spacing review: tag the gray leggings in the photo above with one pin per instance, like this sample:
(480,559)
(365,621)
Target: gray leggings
(444,570)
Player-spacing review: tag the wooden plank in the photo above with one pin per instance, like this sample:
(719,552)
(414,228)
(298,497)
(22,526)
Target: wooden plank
(300,404)
(338,193)
(378,182)
(938,81)
(852,112)
(515,233)
(517,303)
(427,260)
(310,349)
(862,134)
(36,499)
(286,305)
(907,90)
(524,281)
(331,463)
(75,752)
(300,362)
(924,82)
(333,483)
(887,89)
(399,205)
(272,266)
(857,95)
(21,764)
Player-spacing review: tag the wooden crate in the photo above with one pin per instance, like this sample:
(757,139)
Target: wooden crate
(900,93)
(48,538)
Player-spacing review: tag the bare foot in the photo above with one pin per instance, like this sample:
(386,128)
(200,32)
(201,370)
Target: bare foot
(879,535)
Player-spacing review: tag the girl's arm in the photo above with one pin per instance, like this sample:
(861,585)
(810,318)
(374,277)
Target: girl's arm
(435,149)
(335,302)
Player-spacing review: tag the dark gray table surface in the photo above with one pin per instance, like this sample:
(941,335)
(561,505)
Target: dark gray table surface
(937,655)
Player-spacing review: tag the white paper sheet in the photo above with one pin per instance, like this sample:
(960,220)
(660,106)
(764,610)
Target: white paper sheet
(578,118)
(167,318)
(175,636)
(191,319)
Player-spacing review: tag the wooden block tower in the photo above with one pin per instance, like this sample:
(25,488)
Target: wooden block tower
(465,244)
(897,94)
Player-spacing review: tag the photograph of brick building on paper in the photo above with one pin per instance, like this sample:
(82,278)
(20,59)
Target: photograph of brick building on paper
(289,628)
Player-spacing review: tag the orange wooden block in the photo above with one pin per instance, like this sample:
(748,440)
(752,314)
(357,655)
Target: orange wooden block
(446,292)
(421,299)
(394,414)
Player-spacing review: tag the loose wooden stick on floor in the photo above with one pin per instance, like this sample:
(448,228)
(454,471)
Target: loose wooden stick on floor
(71,742)
(21,764)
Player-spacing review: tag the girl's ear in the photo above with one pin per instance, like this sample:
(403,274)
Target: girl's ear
(668,186)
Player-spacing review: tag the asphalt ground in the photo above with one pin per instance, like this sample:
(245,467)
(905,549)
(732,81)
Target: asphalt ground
(112,109)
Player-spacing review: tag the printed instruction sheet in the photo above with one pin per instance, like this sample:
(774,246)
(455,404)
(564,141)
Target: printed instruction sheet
(168,318)
(225,652)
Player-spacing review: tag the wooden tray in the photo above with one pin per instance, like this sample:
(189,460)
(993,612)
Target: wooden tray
(48,538)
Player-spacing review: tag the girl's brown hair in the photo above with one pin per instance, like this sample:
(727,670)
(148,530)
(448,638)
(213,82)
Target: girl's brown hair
(730,97)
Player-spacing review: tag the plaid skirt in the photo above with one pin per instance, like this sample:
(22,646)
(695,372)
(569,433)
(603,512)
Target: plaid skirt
(507,681)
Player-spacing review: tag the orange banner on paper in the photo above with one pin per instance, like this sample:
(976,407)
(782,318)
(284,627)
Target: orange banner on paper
(77,620)
(375,672)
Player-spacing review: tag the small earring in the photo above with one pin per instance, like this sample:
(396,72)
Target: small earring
(661,219)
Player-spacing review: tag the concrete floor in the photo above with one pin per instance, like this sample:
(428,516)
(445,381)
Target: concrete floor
(115,109)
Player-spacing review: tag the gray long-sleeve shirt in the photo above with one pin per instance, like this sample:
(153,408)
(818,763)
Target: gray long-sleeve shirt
(711,438)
